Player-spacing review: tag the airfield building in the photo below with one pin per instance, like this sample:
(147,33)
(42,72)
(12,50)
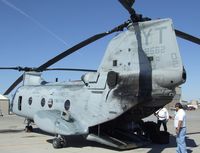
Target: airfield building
(4,105)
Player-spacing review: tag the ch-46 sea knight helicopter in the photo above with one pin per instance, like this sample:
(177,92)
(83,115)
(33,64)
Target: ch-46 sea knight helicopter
(139,73)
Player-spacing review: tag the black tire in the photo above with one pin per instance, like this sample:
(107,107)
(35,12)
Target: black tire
(57,143)
(28,129)
(63,143)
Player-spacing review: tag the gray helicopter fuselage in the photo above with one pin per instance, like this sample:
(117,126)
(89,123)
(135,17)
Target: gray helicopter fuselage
(88,105)
(141,67)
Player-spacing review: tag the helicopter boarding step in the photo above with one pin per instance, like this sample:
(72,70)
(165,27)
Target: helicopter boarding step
(120,139)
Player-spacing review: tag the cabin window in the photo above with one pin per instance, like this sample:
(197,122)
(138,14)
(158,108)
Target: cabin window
(43,102)
(114,62)
(50,103)
(20,103)
(67,105)
(30,100)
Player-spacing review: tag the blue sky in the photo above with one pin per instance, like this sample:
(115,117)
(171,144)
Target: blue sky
(33,31)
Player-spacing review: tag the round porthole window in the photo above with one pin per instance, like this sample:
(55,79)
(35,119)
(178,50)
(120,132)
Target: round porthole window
(43,102)
(30,100)
(67,105)
(50,103)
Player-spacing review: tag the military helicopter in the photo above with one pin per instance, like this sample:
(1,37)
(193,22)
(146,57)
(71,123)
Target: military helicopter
(139,73)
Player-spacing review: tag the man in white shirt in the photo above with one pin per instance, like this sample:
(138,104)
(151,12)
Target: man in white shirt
(180,127)
(162,116)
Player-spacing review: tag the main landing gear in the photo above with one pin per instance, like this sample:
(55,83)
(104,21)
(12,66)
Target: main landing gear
(28,128)
(59,142)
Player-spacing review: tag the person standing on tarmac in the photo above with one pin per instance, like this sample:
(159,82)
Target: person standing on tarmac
(180,127)
(162,118)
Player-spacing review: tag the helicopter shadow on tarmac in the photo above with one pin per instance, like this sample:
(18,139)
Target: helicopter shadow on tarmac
(78,141)
(155,148)
(81,142)
(4,131)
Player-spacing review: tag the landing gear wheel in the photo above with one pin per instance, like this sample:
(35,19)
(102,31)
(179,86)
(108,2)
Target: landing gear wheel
(59,142)
(56,143)
(28,129)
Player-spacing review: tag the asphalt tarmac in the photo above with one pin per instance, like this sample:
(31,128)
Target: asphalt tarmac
(13,139)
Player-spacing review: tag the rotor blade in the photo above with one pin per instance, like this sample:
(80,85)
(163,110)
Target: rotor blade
(14,85)
(188,37)
(70,69)
(26,69)
(130,2)
(128,5)
(16,82)
(80,45)
(9,68)
(18,68)
(68,52)
(71,50)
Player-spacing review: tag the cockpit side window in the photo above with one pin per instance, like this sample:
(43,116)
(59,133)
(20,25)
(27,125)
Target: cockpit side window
(20,103)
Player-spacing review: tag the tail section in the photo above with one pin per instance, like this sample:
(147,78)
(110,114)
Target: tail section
(148,52)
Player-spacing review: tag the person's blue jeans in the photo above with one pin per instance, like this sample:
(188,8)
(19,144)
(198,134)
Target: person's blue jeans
(180,140)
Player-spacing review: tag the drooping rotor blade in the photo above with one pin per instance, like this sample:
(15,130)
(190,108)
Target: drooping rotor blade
(80,45)
(14,85)
(188,37)
(68,52)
